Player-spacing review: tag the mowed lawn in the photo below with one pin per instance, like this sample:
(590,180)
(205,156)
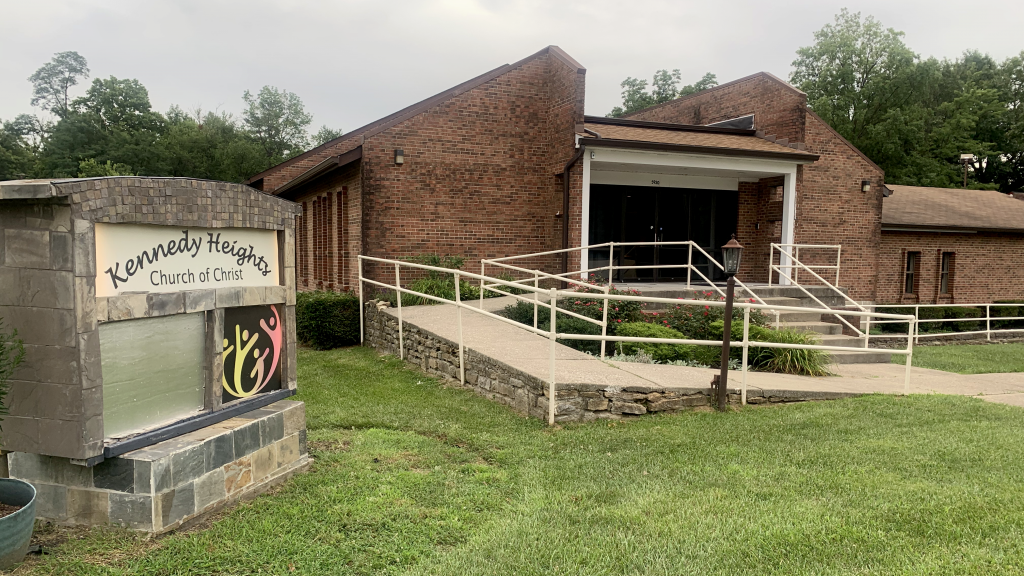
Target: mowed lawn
(415,478)
(969,359)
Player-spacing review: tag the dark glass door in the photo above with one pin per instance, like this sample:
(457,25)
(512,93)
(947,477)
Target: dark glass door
(648,214)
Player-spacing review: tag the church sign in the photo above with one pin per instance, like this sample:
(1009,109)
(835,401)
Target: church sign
(141,258)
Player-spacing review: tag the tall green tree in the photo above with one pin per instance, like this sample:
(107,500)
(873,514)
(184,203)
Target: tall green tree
(209,145)
(664,87)
(277,121)
(52,81)
(114,121)
(325,135)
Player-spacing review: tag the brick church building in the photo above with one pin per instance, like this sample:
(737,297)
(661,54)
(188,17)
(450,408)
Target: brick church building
(507,163)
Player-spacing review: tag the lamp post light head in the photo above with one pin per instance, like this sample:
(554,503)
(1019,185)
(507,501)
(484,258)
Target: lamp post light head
(731,254)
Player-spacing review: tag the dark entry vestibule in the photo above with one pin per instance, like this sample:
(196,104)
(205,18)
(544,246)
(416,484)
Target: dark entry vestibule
(653,214)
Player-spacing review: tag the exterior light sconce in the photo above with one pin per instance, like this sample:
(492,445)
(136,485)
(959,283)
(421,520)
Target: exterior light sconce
(865,185)
(399,157)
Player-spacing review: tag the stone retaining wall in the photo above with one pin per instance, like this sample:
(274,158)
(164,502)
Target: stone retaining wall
(527,394)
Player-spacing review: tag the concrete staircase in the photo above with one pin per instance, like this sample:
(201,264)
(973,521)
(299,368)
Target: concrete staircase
(830,334)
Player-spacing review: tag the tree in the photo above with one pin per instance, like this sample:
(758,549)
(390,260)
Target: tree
(635,96)
(209,145)
(18,147)
(52,81)
(277,121)
(855,72)
(325,135)
(92,169)
(114,122)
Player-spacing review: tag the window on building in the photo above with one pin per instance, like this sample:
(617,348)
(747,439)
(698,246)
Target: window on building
(945,271)
(913,263)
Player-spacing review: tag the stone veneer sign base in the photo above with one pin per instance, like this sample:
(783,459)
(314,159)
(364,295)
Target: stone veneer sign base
(161,487)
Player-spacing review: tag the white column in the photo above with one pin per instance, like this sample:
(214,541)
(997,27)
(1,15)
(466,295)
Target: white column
(585,218)
(788,220)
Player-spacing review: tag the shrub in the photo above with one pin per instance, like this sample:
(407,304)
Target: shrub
(936,313)
(619,311)
(657,351)
(326,320)
(1008,312)
(781,360)
(522,312)
(695,320)
(12,353)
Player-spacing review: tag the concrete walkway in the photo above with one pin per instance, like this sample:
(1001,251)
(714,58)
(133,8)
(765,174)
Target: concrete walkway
(530,353)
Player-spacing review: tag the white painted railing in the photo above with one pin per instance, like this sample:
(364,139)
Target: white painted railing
(579,277)
(548,298)
(987,319)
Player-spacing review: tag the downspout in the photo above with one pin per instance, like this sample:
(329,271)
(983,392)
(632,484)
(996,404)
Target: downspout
(565,207)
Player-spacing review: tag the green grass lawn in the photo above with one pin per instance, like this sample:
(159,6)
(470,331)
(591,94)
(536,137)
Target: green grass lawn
(969,359)
(414,478)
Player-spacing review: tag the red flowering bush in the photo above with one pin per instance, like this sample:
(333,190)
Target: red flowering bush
(619,311)
(694,320)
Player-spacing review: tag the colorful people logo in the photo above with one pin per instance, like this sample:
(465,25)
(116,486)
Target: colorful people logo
(251,348)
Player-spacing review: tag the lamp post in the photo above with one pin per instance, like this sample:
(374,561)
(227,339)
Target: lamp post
(731,254)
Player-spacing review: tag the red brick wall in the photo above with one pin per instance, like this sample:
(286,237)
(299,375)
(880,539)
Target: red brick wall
(986,267)
(481,173)
(757,226)
(328,233)
(831,209)
(778,108)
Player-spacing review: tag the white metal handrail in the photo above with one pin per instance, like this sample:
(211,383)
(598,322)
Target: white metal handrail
(554,294)
(611,268)
(798,265)
(795,269)
(987,319)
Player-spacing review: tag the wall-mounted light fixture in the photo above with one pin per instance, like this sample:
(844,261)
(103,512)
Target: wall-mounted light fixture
(399,157)
(865,185)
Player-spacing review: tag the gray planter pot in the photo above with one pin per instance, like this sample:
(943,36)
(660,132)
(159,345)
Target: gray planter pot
(16,529)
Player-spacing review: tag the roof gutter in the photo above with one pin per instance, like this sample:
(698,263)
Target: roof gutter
(565,206)
(798,157)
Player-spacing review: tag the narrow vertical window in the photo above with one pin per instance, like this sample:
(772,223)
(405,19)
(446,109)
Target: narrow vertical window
(910,282)
(944,272)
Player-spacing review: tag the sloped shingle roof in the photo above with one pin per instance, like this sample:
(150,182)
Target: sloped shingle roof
(921,207)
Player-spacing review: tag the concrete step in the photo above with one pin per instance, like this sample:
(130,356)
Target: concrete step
(861,357)
(842,340)
(791,317)
(814,327)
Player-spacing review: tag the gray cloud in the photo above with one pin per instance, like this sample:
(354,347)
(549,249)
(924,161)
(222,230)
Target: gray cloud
(353,62)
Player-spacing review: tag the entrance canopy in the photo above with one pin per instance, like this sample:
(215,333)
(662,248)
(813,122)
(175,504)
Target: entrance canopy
(656,182)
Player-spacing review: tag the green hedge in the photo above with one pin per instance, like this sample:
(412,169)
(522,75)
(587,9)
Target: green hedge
(1007,312)
(325,320)
(522,312)
(659,352)
(936,313)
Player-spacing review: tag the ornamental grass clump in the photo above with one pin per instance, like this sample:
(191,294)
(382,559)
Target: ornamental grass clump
(780,360)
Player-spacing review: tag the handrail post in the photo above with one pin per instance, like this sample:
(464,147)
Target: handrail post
(481,284)
(867,330)
(689,263)
(910,354)
(536,277)
(551,361)
(398,295)
(604,319)
(746,348)
(458,316)
(771,263)
(796,271)
(611,262)
(839,251)
(988,322)
(917,318)
(362,309)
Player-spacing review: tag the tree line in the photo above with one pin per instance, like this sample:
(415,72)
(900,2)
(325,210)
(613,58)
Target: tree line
(112,130)
(915,117)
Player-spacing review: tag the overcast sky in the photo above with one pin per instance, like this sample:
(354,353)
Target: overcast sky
(353,62)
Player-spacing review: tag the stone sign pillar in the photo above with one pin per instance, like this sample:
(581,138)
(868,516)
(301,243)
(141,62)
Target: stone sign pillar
(158,316)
